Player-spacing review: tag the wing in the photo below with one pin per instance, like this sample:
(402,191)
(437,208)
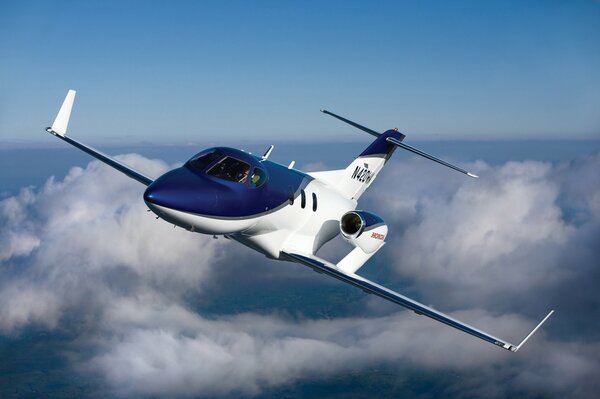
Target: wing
(368,286)
(59,129)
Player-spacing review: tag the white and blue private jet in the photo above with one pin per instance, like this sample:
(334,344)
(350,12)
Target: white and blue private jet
(282,212)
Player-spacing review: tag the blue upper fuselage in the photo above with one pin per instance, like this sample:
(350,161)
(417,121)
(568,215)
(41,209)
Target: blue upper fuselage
(224,182)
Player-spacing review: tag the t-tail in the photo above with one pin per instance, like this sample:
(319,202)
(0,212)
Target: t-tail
(353,181)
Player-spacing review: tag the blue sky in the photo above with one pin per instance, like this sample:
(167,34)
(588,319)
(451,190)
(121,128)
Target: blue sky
(84,274)
(193,71)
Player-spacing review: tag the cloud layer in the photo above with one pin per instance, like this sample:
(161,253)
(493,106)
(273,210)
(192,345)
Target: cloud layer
(83,254)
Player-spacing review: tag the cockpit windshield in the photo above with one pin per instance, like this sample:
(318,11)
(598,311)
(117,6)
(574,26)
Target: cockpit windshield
(258,177)
(201,162)
(231,165)
(230,169)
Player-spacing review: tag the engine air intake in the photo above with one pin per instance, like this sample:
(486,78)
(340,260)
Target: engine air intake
(352,224)
(364,230)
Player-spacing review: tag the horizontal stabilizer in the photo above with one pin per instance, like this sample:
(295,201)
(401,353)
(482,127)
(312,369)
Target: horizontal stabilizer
(398,142)
(414,150)
(356,125)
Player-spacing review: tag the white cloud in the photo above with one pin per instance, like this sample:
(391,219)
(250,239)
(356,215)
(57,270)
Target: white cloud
(17,244)
(86,248)
(88,228)
(163,349)
(505,231)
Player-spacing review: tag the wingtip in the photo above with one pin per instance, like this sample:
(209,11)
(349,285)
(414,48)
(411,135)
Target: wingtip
(61,122)
(474,176)
(533,331)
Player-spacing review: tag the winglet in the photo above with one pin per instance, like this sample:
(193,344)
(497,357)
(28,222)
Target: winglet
(62,119)
(516,348)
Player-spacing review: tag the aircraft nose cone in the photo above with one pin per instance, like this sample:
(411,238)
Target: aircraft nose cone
(181,189)
(172,188)
(153,193)
(157,193)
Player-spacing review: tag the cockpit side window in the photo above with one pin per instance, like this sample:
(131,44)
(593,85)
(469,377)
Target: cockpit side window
(230,169)
(201,162)
(258,177)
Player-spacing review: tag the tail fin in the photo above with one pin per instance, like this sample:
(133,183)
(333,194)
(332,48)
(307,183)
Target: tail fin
(359,175)
(353,181)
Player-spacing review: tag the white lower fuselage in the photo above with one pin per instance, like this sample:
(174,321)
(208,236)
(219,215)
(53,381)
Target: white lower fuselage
(290,226)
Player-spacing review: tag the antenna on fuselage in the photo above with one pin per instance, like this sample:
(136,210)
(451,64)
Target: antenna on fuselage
(264,157)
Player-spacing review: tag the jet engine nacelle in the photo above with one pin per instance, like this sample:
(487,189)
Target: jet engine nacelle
(364,230)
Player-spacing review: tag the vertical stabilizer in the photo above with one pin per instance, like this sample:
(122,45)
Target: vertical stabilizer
(359,175)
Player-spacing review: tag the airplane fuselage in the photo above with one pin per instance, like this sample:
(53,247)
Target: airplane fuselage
(286,203)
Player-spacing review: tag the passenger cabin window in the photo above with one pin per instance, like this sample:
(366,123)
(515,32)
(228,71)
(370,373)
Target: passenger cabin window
(258,178)
(302,198)
(314,202)
(230,169)
(203,161)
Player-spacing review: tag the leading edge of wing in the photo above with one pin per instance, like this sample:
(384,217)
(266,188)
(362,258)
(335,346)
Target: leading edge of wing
(134,174)
(59,129)
(323,266)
